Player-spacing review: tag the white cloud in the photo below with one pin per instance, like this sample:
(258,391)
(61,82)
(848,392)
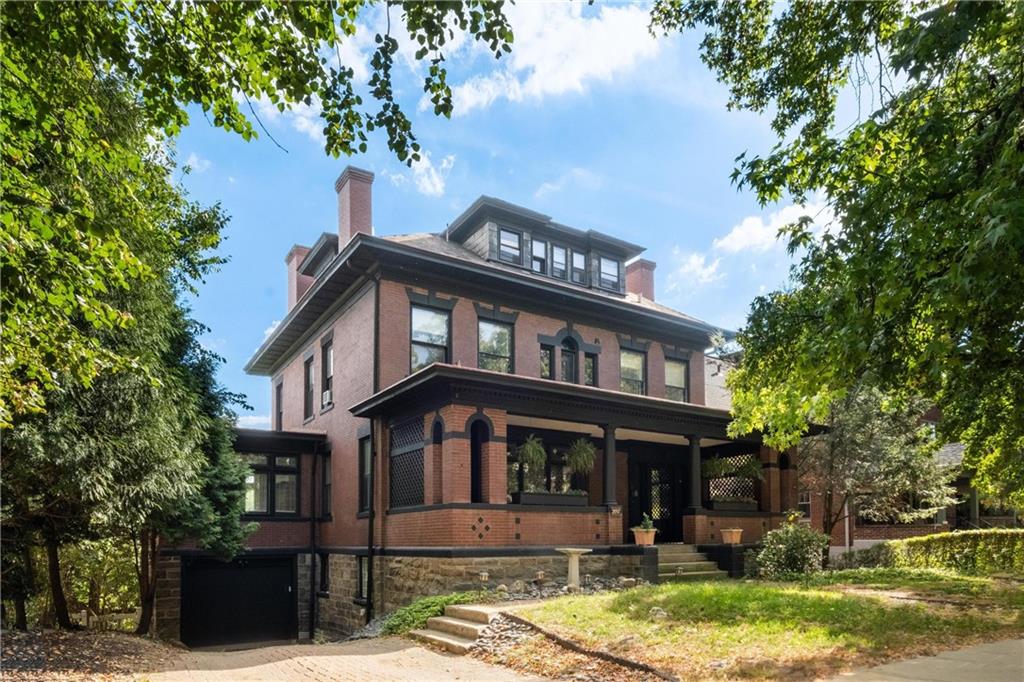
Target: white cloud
(270,330)
(691,270)
(254,421)
(756,233)
(197,163)
(557,50)
(305,118)
(579,178)
(430,179)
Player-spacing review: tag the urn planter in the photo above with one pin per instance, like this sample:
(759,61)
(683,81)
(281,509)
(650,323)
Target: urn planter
(732,536)
(644,536)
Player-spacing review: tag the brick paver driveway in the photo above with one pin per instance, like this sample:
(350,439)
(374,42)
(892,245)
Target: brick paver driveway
(371,659)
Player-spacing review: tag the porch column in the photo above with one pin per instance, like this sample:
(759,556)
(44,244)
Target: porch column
(974,510)
(695,472)
(609,465)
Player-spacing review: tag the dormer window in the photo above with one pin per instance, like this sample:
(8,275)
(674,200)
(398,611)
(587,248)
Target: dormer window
(579,268)
(609,273)
(510,246)
(558,264)
(539,262)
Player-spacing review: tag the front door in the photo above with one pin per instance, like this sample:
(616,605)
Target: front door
(651,491)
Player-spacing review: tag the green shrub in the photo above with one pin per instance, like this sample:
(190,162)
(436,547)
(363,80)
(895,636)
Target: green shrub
(415,615)
(793,549)
(972,552)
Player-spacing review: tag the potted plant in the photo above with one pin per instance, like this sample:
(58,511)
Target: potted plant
(644,533)
(732,536)
(580,456)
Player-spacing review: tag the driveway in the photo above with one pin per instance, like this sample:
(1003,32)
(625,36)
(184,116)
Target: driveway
(992,662)
(379,660)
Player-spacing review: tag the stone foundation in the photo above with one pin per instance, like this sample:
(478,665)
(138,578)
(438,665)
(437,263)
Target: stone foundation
(167,608)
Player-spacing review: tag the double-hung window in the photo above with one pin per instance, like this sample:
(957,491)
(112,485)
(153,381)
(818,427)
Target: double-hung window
(365,457)
(428,341)
(547,362)
(608,276)
(590,369)
(632,372)
(494,346)
(570,353)
(803,503)
(539,262)
(676,387)
(579,268)
(272,487)
(558,262)
(510,246)
(326,374)
(307,395)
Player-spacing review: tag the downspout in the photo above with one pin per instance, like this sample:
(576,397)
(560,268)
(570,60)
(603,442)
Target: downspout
(312,545)
(369,532)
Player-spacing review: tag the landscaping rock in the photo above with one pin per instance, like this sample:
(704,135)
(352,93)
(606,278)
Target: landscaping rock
(624,644)
(657,613)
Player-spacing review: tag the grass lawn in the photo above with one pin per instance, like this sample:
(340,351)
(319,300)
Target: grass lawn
(751,629)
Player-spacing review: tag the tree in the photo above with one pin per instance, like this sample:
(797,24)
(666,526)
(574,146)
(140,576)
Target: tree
(60,64)
(875,460)
(920,284)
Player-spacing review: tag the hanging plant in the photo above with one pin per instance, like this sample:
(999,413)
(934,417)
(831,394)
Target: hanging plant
(532,454)
(580,456)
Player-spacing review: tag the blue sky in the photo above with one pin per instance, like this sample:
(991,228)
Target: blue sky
(590,120)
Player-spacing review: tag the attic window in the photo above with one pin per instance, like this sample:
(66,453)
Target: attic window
(609,275)
(510,246)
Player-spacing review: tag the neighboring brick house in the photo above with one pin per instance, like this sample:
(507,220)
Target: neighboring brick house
(405,374)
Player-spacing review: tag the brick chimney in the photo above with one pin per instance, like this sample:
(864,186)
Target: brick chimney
(297,283)
(355,203)
(640,277)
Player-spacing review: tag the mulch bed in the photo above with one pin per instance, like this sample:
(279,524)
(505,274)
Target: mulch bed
(84,655)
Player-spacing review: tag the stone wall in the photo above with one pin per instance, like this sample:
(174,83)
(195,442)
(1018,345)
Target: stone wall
(303,565)
(167,608)
(338,614)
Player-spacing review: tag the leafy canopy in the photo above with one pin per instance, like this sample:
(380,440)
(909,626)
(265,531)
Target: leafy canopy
(920,287)
(62,242)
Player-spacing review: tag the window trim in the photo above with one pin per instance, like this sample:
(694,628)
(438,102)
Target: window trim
(308,387)
(800,504)
(363,475)
(511,343)
(545,259)
(501,255)
(644,383)
(686,379)
(601,282)
(566,263)
(583,280)
(271,469)
(448,333)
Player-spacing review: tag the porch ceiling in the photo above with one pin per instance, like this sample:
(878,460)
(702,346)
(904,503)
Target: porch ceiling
(529,397)
(595,431)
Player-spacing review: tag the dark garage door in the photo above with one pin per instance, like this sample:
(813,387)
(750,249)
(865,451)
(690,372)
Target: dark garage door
(246,600)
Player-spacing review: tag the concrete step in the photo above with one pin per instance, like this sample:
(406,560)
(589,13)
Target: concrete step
(456,626)
(676,547)
(692,576)
(453,643)
(687,566)
(477,614)
(675,558)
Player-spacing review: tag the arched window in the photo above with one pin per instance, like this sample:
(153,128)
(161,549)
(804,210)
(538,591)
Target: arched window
(570,364)
(479,435)
(438,434)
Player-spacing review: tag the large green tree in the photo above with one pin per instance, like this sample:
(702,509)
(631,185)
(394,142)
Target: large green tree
(919,286)
(60,253)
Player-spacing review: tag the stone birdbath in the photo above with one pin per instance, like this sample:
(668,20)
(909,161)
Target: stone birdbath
(574,554)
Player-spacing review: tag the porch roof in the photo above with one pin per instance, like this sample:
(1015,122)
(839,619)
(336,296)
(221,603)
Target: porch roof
(261,441)
(441,384)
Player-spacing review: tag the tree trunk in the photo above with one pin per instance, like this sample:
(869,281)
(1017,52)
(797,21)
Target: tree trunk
(146,571)
(20,614)
(60,602)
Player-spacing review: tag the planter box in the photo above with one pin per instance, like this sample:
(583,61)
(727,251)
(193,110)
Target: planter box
(550,499)
(722,505)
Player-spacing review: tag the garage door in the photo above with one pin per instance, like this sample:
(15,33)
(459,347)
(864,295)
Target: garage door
(246,600)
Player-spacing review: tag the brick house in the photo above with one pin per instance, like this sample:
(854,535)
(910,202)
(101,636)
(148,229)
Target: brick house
(405,375)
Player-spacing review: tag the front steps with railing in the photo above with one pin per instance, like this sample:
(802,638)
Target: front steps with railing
(678,562)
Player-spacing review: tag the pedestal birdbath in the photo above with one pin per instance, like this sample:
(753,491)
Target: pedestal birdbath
(574,554)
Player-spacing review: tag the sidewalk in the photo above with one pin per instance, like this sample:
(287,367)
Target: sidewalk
(993,662)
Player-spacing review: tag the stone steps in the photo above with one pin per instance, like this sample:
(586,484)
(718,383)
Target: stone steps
(679,562)
(451,643)
(456,626)
(692,576)
(700,564)
(458,629)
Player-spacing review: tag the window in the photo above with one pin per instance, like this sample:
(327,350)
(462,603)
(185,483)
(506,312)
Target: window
(579,268)
(307,399)
(325,489)
(590,369)
(632,372)
(676,387)
(363,577)
(365,457)
(479,436)
(429,337)
(272,487)
(570,364)
(494,346)
(325,572)
(803,503)
(547,362)
(609,274)
(510,246)
(539,262)
(279,406)
(326,374)
(555,476)
(558,254)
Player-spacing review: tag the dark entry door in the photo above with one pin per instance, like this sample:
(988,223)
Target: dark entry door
(652,491)
(240,601)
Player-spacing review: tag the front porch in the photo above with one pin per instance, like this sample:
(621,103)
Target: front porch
(451,473)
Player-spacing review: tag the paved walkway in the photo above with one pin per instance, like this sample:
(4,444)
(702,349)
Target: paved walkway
(994,662)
